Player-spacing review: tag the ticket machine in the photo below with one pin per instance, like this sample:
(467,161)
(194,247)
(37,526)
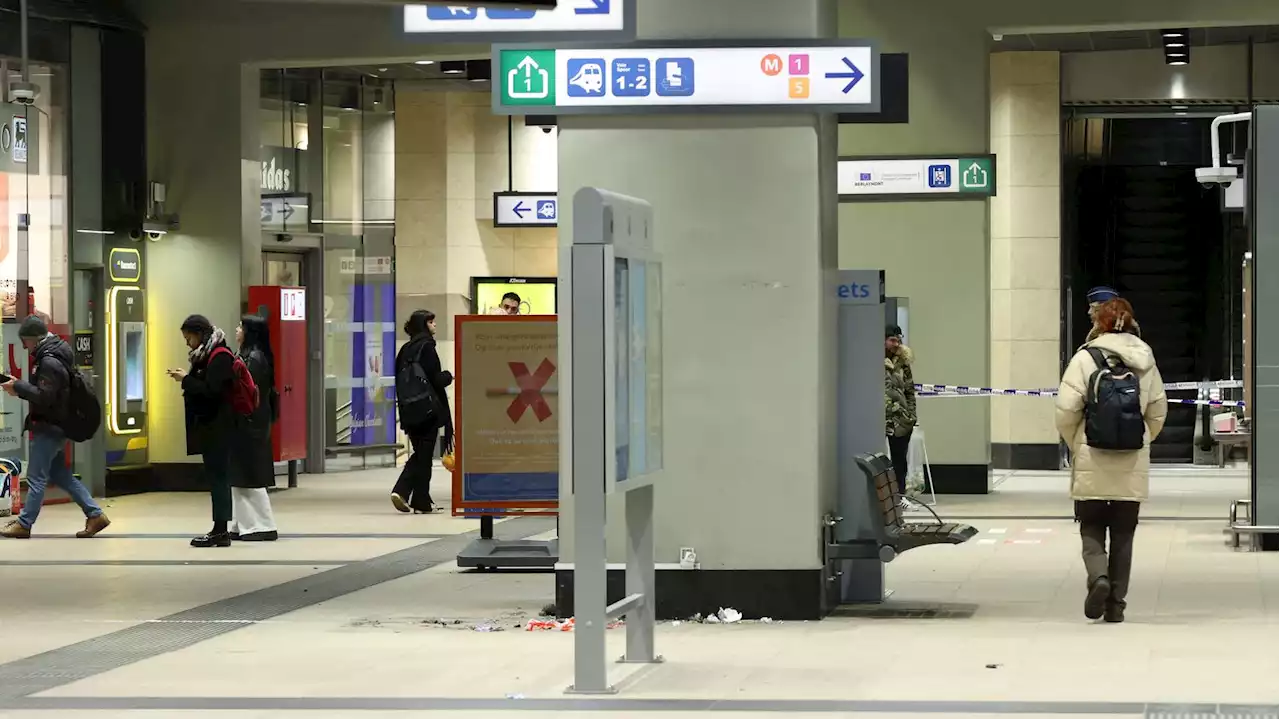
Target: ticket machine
(125,403)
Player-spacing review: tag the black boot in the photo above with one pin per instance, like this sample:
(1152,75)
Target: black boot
(1095,601)
(1114,613)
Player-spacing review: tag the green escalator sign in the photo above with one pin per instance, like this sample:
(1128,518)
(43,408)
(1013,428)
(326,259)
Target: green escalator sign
(527,77)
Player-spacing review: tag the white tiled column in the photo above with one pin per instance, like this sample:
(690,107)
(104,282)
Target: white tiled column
(1025,255)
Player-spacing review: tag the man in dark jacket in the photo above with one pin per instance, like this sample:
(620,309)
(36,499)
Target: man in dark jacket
(48,396)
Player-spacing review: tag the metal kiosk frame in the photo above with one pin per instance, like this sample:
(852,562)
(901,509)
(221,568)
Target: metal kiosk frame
(606,227)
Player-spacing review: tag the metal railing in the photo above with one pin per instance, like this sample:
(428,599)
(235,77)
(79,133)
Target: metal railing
(1235,528)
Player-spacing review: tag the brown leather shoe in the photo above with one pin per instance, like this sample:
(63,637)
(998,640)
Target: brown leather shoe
(15,530)
(93,525)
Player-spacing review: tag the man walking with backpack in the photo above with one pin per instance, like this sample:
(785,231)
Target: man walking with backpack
(48,395)
(1111,405)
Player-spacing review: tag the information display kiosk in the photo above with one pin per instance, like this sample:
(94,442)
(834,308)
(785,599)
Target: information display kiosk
(126,358)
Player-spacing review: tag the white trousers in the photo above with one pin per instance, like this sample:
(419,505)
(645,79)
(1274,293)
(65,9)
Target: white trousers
(251,511)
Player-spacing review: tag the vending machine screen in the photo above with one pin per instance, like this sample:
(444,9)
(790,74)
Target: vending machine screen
(134,346)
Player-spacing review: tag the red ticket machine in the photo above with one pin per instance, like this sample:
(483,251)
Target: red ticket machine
(285,309)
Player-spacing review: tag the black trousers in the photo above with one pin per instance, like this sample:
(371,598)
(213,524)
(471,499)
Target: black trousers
(1100,520)
(217,469)
(898,447)
(414,484)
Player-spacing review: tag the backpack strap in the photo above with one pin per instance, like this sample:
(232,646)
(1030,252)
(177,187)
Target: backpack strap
(1099,359)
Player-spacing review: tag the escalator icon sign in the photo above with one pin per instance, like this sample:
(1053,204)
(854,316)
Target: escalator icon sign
(528,80)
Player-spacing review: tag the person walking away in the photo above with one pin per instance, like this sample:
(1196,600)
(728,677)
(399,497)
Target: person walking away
(899,403)
(424,410)
(251,517)
(1111,405)
(48,396)
(210,418)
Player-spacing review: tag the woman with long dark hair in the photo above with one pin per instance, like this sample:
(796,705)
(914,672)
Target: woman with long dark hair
(210,418)
(252,518)
(424,410)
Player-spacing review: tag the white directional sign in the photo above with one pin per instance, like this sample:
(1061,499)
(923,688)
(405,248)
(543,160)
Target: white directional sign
(281,211)
(579,80)
(613,19)
(972,177)
(525,209)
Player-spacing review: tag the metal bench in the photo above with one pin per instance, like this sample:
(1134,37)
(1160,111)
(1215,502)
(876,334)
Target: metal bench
(872,531)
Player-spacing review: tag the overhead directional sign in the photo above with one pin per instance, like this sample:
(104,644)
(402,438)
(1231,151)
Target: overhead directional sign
(525,209)
(286,211)
(667,77)
(862,178)
(581,19)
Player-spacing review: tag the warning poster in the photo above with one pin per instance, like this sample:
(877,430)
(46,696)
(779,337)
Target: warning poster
(508,406)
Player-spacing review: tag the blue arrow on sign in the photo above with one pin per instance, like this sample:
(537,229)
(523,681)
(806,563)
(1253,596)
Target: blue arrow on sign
(594,7)
(520,209)
(853,75)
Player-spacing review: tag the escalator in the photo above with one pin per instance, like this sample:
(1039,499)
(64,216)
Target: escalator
(1136,219)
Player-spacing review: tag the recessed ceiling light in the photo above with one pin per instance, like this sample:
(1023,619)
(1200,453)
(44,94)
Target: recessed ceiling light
(382,69)
(1174,33)
(1175,44)
(424,62)
(1178,62)
(1179,107)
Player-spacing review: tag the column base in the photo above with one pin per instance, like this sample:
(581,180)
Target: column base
(783,594)
(1025,456)
(961,478)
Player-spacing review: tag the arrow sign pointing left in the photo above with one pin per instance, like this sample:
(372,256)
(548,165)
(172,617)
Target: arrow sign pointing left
(593,7)
(520,209)
(853,75)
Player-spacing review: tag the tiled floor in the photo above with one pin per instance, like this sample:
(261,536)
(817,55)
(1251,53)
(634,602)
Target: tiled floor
(1202,623)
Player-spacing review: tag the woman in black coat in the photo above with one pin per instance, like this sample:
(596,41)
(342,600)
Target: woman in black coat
(211,421)
(252,518)
(412,492)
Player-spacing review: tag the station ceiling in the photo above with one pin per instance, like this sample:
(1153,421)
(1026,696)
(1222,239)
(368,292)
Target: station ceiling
(1131,39)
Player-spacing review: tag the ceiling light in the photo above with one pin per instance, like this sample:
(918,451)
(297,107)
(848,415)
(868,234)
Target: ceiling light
(1178,107)
(453,67)
(424,62)
(1175,44)
(1182,61)
(382,69)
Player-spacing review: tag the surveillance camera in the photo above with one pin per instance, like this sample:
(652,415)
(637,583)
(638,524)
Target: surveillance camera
(547,129)
(23,93)
(1213,176)
(153,235)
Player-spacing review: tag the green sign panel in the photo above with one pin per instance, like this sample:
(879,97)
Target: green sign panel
(977,175)
(528,77)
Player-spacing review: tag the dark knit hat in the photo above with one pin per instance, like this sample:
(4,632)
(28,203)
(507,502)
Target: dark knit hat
(33,326)
(892,331)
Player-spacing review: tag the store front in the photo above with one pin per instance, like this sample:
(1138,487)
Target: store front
(328,223)
(60,213)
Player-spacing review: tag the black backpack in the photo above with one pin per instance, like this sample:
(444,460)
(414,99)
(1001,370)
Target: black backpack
(419,404)
(1113,406)
(84,412)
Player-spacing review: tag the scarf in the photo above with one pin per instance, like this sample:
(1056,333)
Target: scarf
(201,353)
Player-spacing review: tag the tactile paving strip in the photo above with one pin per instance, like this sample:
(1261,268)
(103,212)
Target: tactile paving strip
(91,657)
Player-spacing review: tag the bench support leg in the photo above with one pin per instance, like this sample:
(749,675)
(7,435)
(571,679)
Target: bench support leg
(486,526)
(293,474)
(861,581)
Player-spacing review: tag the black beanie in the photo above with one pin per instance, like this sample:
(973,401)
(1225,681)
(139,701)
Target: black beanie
(33,326)
(892,331)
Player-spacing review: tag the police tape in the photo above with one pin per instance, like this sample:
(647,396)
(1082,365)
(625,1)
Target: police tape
(1216,384)
(961,391)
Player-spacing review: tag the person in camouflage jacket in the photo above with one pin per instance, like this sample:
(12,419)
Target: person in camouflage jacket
(899,401)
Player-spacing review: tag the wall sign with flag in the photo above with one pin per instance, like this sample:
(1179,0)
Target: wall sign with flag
(971,177)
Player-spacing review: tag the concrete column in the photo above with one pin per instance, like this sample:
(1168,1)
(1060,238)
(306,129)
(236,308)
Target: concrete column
(744,217)
(934,252)
(202,143)
(1025,256)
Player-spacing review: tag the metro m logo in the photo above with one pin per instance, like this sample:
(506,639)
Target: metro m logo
(771,64)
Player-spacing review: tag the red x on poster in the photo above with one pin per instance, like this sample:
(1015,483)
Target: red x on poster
(530,385)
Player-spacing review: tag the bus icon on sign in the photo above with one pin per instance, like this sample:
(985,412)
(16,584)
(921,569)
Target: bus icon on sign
(939,176)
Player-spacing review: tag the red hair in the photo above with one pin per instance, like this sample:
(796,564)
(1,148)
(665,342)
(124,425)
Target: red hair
(1115,315)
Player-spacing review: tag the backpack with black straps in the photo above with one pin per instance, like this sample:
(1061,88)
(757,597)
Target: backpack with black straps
(244,391)
(1113,406)
(84,412)
(417,398)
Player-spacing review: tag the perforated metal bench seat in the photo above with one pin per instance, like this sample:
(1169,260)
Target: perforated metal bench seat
(919,534)
(886,529)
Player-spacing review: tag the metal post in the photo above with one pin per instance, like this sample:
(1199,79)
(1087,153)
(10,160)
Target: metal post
(293,474)
(590,569)
(641,577)
(486,526)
